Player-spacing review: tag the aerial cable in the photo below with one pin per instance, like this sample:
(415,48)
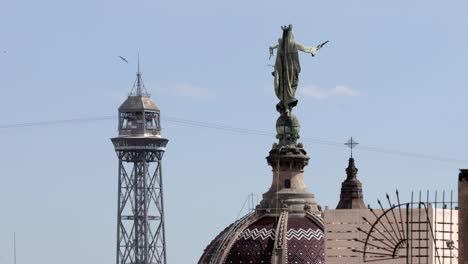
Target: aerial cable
(222,127)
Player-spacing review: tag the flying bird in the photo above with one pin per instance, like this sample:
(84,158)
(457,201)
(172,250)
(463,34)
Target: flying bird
(122,58)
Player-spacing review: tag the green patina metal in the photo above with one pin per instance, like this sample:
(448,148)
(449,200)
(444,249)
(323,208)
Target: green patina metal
(287,129)
(286,79)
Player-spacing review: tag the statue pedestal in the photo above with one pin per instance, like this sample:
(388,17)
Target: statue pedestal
(288,189)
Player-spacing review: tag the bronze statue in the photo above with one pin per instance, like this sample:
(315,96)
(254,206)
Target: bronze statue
(287,69)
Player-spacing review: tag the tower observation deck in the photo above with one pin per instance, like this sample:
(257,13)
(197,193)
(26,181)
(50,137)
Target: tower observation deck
(140,207)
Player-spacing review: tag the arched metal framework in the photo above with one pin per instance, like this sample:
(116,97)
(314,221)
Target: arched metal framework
(414,232)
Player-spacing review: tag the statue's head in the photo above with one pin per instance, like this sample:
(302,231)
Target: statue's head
(287,28)
(288,33)
(287,39)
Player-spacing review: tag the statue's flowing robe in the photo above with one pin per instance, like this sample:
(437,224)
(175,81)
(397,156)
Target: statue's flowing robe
(287,79)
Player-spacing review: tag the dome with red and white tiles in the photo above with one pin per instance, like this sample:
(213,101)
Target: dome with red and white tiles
(254,239)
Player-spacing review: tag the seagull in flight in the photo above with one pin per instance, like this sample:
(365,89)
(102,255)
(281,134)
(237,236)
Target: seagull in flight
(123,59)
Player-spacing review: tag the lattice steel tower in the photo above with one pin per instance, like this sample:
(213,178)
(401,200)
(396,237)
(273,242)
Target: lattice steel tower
(140,148)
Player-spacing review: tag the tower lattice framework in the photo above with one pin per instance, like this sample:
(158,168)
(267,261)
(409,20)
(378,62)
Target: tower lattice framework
(140,207)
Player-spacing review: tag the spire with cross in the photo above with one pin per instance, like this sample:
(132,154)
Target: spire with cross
(351,144)
(351,196)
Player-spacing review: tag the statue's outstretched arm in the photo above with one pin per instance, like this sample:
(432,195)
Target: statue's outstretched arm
(311,50)
(271,50)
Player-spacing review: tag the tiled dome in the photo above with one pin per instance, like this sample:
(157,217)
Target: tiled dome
(254,239)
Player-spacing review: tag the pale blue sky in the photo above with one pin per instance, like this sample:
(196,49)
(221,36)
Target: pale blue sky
(404,62)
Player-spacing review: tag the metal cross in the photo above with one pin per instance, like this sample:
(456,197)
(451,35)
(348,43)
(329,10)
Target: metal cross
(351,144)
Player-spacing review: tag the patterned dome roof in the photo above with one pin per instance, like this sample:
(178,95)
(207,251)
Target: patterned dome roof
(254,239)
(286,226)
